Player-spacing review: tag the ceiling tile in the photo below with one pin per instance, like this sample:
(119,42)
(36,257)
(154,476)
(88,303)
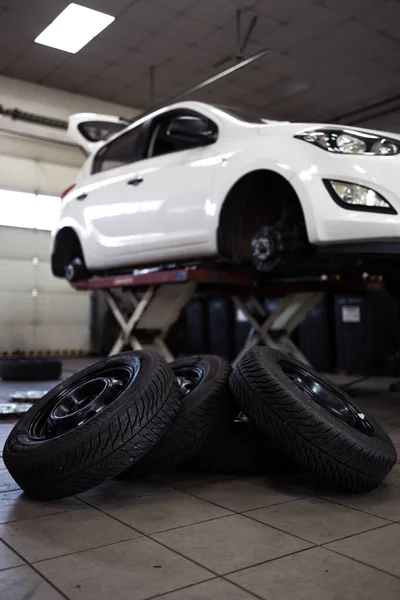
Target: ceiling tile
(84,64)
(148,15)
(136,94)
(119,73)
(382,17)
(65,78)
(213,12)
(286,37)
(351,8)
(197,58)
(98,49)
(284,11)
(6,58)
(161,47)
(102,87)
(11,41)
(136,61)
(44,54)
(113,8)
(28,26)
(123,34)
(263,28)
(356,38)
(177,5)
(187,30)
(23,68)
(44,8)
(318,21)
(219,42)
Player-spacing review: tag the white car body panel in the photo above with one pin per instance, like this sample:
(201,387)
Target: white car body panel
(174,213)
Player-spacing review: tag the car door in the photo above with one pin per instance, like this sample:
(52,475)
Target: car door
(174,189)
(109,218)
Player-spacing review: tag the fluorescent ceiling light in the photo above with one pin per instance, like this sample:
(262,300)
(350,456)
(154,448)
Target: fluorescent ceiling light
(74,28)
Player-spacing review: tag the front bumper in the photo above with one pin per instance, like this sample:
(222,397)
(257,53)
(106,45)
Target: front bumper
(328,222)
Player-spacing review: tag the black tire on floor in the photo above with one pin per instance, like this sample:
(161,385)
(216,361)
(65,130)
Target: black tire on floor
(279,394)
(205,413)
(30,369)
(242,450)
(125,404)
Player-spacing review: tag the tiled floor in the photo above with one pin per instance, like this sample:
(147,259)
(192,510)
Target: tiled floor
(186,536)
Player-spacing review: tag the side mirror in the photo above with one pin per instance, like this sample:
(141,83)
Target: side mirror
(191,129)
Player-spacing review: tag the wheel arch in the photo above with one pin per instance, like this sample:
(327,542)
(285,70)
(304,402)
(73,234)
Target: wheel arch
(244,209)
(66,246)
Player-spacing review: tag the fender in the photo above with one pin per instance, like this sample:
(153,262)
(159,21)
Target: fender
(244,160)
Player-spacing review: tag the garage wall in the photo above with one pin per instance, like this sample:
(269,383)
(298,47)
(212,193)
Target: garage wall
(37,310)
(35,158)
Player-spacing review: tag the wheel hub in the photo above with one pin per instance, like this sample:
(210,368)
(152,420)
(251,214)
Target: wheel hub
(325,396)
(263,248)
(79,403)
(188,378)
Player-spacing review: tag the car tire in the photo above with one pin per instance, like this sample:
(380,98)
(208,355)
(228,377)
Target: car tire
(76,271)
(242,451)
(126,404)
(312,421)
(205,413)
(30,369)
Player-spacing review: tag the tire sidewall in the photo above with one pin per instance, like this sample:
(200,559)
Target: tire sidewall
(319,420)
(25,449)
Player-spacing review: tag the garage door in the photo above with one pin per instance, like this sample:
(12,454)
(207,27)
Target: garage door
(37,310)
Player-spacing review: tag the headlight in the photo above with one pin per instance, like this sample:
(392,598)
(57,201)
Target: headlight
(357,197)
(350,142)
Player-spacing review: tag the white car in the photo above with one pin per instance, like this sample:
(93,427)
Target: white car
(194,182)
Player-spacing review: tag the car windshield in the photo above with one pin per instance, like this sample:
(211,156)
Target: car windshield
(242,114)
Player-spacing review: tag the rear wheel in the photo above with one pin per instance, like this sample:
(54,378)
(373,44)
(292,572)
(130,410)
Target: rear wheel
(67,260)
(76,270)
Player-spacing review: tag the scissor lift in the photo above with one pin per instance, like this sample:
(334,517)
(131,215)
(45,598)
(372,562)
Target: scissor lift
(156,298)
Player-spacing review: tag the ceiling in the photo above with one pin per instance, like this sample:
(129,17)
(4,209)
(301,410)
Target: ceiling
(327,57)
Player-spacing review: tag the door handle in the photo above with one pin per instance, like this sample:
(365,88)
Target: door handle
(81,197)
(135,181)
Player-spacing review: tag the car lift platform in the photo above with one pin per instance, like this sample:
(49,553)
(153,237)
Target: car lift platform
(146,303)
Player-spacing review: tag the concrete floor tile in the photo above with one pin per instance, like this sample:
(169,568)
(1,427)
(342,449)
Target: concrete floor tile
(7,483)
(316,520)
(317,574)
(184,479)
(216,589)
(132,570)
(122,491)
(15,506)
(23,583)
(55,535)
(394,481)
(244,494)
(159,512)
(8,558)
(383,502)
(230,543)
(379,548)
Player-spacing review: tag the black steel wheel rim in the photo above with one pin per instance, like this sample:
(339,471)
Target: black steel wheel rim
(81,401)
(188,378)
(327,397)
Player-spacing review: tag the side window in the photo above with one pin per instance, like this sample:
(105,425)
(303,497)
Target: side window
(180,131)
(121,151)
